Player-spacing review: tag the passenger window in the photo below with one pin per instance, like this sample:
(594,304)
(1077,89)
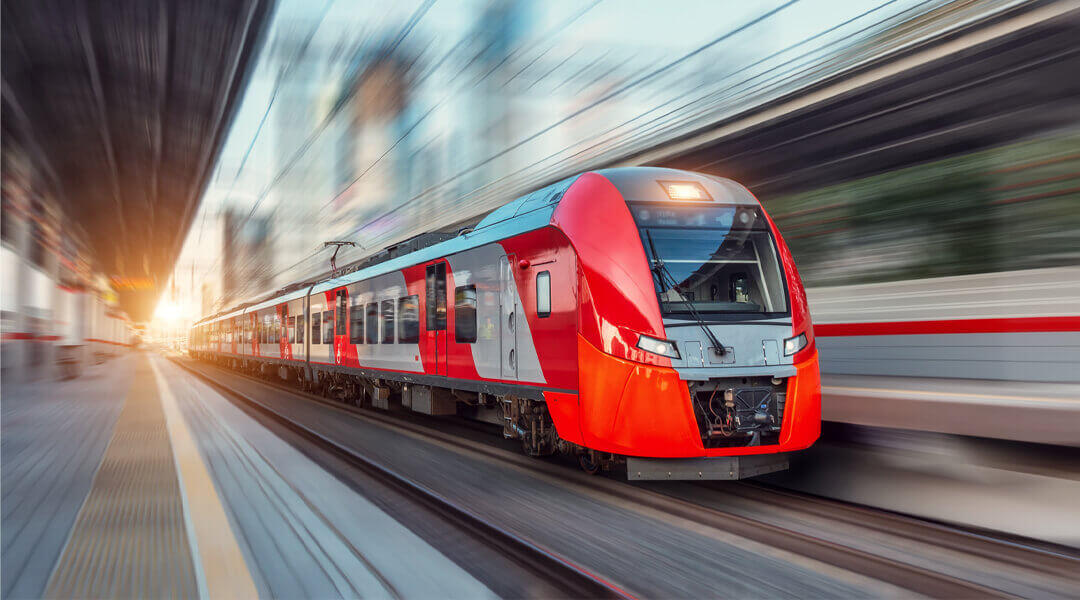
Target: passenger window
(356,323)
(341,313)
(543,294)
(372,323)
(409,319)
(328,327)
(300,329)
(316,327)
(465,314)
(388,321)
(292,330)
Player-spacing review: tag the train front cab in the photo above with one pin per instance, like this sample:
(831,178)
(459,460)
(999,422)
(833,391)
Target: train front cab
(649,383)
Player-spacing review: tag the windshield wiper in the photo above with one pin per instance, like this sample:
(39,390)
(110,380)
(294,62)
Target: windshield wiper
(662,274)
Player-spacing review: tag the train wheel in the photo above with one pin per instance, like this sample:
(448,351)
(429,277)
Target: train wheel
(589,463)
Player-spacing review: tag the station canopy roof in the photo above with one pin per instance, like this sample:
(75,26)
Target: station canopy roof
(122,107)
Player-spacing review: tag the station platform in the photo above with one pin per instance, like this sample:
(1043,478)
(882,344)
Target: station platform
(1025,411)
(134,481)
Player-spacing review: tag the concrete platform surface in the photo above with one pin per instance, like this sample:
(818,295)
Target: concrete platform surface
(136,481)
(1047,413)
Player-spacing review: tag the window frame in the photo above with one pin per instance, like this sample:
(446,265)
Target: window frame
(386,320)
(316,327)
(401,321)
(328,330)
(546,275)
(371,322)
(356,323)
(459,303)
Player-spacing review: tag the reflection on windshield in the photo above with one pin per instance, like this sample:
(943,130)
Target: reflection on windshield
(718,269)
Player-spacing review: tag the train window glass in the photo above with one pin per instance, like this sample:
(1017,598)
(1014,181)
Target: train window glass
(356,323)
(372,323)
(300,329)
(435,297)
(465,314)
(292,330)
(409,319)
(341,308)
(388,321)
(275,330)
(440,296)
(316,328)
(328,327)
(715,260)
(429,295)
(543,294)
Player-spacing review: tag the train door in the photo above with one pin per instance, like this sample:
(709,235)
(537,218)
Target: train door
(435,301)
(341,321)
(508,315)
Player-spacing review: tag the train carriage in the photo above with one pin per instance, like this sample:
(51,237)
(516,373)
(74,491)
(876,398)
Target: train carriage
(640,314)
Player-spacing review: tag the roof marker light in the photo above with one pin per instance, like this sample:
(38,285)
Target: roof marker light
(685,190)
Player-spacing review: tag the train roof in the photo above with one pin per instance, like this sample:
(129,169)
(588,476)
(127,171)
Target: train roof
(527,213)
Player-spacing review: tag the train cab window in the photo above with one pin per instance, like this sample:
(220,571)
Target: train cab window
(356,323)
(372,324)
(388,321)
(328,327)
(341,308)
(465,314)
(435,297)
(543,294)
(292,330)
(409,319)
(712,260)
(316,328)
(300,329)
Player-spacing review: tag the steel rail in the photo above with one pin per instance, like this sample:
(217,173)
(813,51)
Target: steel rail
(563,575)
(908,576)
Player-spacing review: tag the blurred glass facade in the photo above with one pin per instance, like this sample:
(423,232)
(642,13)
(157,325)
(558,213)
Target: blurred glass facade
(373,125)
(1005,209)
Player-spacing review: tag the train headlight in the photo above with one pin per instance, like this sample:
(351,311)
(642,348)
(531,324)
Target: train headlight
(793,345)
(655,346)
(685,190)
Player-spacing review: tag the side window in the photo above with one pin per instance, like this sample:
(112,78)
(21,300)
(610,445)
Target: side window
(388,321)
(356,323)
(275,336)
(409,319)
(328,327)
(316,328)
(543,294)
(292,330)
(340,323)
(465,314)
(435,297)
(300,329)
(372,324)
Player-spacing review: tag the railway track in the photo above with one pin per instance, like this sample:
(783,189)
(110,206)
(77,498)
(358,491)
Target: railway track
(560,574)
(909,576)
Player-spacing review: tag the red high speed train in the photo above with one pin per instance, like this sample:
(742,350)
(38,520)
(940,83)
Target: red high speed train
(640,314)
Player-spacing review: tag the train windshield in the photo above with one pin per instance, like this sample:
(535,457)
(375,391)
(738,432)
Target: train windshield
(711,260)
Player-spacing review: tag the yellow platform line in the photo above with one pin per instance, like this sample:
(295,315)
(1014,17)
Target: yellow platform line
(223,568)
